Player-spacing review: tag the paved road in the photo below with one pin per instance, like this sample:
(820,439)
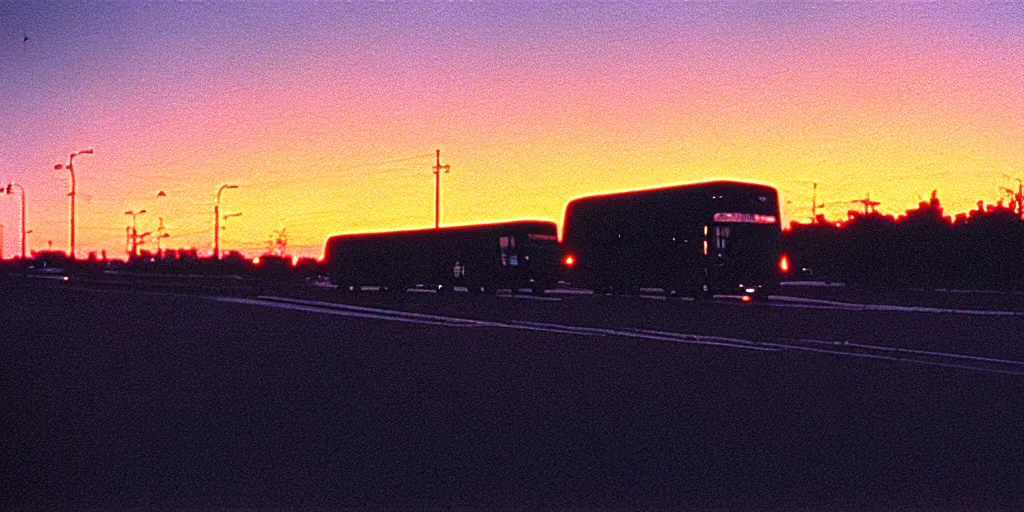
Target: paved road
(307,398)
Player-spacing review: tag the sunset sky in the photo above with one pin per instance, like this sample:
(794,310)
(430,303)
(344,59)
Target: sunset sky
(327,114)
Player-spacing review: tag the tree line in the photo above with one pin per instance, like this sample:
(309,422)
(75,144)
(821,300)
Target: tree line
(983,248)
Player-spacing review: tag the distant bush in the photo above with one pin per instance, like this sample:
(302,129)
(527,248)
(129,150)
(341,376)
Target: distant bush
(922,248)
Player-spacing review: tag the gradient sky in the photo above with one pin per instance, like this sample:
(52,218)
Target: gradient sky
(327,114)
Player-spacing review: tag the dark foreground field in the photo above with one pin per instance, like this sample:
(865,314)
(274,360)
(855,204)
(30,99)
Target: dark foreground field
(117,399)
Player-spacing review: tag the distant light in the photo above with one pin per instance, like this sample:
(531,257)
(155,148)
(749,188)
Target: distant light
(256,260)
(784,263)
(295,261)
(750,290)
(569,261)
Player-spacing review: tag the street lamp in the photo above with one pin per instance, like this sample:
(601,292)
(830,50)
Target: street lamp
(10,190)
(216,222)
(134,233)
(71,169)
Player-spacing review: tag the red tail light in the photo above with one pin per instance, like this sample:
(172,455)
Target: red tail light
(784,263)
(569,261)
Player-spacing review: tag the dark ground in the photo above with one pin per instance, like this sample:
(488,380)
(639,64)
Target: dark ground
(117,399)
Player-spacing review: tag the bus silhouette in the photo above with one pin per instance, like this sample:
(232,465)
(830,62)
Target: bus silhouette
(481,257)
(694,239)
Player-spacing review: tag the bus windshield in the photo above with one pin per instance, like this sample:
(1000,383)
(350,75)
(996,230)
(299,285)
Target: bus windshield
(745,249)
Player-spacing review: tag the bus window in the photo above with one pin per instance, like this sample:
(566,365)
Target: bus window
(509,257)
(721,237)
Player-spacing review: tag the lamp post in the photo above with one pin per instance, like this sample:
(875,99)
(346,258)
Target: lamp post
(228,216)
(216,222)
(71,169)
(10,190)
(135,246)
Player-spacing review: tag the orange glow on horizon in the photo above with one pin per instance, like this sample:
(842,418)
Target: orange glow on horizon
(868,98)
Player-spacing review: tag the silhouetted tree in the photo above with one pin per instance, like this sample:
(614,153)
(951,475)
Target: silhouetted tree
(923,247)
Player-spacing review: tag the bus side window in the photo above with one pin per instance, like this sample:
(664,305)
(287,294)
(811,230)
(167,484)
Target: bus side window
(509,258)
(721,237)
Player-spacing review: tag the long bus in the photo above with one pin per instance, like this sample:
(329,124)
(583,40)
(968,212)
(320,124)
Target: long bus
(694,239)
(481,257)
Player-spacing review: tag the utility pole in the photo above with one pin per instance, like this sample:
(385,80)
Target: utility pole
(869,205)
(437,188)
(135,235)
(815,205)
